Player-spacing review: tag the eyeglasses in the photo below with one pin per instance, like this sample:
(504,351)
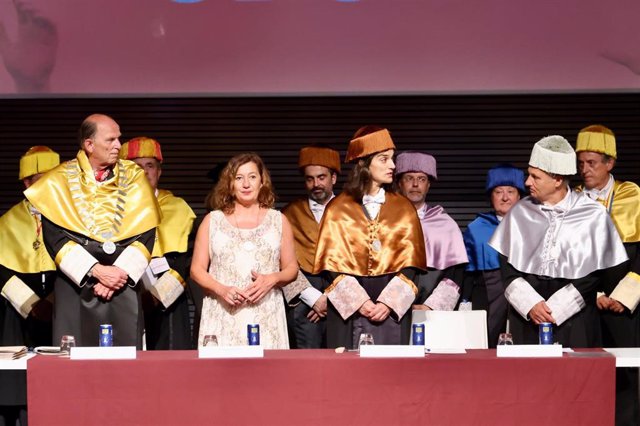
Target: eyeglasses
(414,179)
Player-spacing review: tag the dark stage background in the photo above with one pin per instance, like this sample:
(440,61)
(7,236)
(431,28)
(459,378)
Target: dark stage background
(467,134)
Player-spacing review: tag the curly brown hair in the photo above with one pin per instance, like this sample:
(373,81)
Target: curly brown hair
(221,196)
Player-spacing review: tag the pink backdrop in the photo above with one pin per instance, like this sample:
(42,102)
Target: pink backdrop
(229,47)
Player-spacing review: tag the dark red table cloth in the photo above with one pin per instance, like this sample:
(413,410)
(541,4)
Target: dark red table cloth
(320,387)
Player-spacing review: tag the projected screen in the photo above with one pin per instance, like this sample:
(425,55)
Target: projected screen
(289,47)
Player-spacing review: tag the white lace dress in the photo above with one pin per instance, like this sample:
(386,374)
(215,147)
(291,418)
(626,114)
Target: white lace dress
(234,253)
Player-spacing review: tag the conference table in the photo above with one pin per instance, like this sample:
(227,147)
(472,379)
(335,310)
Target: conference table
(321,387)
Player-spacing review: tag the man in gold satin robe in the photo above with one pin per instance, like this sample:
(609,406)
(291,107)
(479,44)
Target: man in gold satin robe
(165,304)
(320,167)
(26,282)
(99,220)
(618,303)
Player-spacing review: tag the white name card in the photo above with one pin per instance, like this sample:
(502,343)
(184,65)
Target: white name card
(103,352)
(392,351)
(16,364)
(626,357)
(529,351)
(231,352)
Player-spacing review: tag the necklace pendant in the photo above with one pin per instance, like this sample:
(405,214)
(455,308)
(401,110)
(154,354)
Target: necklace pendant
(36,245)
(109,247)
(248,246)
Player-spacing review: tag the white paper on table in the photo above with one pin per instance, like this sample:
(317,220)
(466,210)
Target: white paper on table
(529,351)
(626,357)
(231,352)
(103,352)
(391,351)
(445,351)
(16,364)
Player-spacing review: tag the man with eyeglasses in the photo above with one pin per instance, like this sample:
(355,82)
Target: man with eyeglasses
(439,289)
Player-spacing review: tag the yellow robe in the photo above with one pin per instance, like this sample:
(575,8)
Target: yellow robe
(18,232)
(173,232)
(623,206)
(70,197)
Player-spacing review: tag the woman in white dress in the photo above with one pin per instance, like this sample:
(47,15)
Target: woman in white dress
(243,254)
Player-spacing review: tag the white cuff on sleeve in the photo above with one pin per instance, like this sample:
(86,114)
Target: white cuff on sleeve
(20,295)
(133,262)
(627,291)
(310,296)
(444,297)
(293,290)
(522,296)
(76,263)
(398,295)
(346,295)
(565,303)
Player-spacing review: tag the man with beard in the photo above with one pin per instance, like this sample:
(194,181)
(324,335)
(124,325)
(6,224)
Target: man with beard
(99,216)
(555,247)
(439,289)
(596,149)
(320,167)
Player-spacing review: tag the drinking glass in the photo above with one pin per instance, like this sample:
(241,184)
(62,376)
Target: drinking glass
(365,339)
(210,340)
(66,343)
(505,339)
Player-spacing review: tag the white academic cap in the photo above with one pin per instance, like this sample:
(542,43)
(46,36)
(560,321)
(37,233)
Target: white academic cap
(554,155)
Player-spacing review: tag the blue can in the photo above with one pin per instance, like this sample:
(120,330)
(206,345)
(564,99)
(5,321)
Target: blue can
(417,334)
(106,335)
(546,333)
(253,334)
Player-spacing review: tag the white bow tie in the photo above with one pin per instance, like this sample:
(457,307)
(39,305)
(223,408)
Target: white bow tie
(596,195)
(377,199)
(316,207)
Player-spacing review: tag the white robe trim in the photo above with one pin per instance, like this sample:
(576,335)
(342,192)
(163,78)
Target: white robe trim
(444,296)
(20,295)
(522,296)
(133,262)
(565,303)
(77,263)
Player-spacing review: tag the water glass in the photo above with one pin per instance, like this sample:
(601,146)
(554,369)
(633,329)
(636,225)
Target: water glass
(66,343)
(365,339)
(505,339)
(210,340)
